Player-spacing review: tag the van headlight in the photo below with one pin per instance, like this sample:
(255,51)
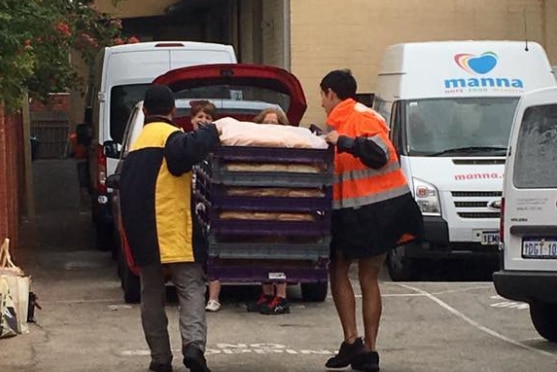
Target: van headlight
(427,197)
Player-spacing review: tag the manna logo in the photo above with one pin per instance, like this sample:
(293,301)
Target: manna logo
(478,176)
(479,66)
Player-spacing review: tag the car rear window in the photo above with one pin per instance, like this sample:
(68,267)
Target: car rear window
(246,93)
(535,163)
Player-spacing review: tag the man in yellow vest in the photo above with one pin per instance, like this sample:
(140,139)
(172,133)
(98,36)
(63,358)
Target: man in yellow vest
(155,197)
(373,212)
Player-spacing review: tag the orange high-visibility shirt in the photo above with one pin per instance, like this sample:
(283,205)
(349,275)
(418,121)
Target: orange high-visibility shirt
(356,184)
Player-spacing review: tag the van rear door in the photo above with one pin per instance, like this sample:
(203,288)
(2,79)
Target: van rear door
(530,216)
(191,54)
(133,67)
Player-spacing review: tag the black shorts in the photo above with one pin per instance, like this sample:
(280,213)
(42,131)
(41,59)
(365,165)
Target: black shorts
(374,229)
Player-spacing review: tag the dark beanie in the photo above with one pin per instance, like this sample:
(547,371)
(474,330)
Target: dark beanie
(159,100)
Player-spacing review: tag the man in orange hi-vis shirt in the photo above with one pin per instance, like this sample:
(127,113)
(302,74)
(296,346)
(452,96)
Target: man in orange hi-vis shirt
(373,212)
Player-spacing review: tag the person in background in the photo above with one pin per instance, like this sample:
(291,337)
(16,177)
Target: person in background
(271,116)
(272,300)
(373,212)
(204,111)
(156,205)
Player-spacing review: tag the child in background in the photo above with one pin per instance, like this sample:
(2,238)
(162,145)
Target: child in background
(271,302)
(203,111)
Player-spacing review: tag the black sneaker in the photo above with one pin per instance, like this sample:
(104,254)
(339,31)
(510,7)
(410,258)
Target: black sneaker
(367,362)
(194,359)
(160,367)
(276,306)
(346,354)
(255,307)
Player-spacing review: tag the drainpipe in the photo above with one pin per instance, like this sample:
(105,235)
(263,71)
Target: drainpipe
(286,34)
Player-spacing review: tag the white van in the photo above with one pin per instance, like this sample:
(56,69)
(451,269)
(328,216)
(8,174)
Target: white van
(529,212)
(450,107)
(121,76)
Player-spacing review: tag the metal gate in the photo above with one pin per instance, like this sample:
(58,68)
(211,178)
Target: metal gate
(51,129)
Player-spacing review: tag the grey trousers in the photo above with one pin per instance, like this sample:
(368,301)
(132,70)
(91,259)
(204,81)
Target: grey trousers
(188,278)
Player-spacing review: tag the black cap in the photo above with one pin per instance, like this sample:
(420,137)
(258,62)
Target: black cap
(159,100)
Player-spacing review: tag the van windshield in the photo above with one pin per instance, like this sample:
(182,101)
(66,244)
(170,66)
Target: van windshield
(458,126)
(536,149)
(122,100)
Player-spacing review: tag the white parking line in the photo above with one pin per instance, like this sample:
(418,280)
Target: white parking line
(77,302)
(243,348)
(388,295)
(462,290)
(473,323)
(423,295)
(510,305)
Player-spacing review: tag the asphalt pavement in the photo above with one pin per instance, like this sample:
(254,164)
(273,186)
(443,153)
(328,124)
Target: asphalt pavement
(451,321)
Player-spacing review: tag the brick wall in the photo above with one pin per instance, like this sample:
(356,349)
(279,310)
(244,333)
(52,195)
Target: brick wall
(11,176)
(56,102)
(330,34)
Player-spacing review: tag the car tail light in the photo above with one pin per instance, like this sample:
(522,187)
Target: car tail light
(101,176)
(502,221)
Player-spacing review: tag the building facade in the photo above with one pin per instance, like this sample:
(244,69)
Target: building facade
(311,37)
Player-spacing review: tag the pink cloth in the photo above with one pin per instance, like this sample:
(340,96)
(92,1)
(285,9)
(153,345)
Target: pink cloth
(243,133)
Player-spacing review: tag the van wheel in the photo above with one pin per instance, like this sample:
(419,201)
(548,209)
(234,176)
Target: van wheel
(544,319)
(400,266)
(131,284)
(314,292)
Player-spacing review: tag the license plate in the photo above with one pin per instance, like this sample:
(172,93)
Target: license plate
(539,248)
(277,276)
(490,238)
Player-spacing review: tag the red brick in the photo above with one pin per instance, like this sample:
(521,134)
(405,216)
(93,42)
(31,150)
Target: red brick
(3,180)
(11,148)
(56,102)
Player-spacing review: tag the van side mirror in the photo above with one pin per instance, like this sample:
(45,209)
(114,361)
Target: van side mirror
(111,149)
(113,181)
(84,133)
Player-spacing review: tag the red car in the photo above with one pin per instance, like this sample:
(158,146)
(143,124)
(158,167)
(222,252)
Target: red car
(240,91)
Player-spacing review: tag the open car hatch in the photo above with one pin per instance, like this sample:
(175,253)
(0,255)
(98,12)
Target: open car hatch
(238,90)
